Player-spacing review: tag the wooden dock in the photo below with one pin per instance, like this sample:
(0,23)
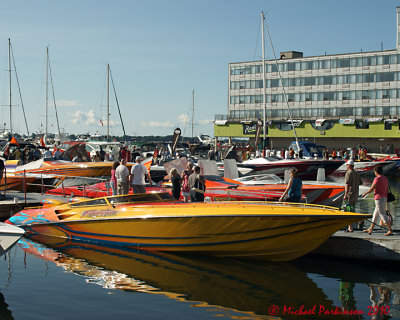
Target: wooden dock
(15,201)
(361,245)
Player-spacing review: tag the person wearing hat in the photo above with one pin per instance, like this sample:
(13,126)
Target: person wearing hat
(122,176)
(139,174)
(351,189)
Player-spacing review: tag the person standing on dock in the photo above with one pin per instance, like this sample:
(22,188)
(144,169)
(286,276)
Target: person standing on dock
(139,174)
(351,190)
(380,187)
(122,175)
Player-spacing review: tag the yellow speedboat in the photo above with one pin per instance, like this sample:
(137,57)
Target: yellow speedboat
(263,230)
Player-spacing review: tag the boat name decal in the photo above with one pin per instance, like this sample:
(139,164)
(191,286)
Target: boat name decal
(98,213)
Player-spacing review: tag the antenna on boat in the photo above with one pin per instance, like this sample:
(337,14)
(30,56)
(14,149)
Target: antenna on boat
(283,88)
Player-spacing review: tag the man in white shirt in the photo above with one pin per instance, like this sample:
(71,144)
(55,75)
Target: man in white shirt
(47,154)
(138,175)
(122,175)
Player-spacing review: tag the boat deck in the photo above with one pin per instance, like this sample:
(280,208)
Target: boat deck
(361,245)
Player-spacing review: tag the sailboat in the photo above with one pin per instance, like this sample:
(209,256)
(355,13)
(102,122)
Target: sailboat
(307,168)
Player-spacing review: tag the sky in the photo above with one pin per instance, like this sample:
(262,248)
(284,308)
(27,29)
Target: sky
(160,52)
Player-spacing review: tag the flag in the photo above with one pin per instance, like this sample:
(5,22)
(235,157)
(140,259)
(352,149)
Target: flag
(258,129)
(177,134)
(101,121)
(14,141)
(42,142)
(147,163)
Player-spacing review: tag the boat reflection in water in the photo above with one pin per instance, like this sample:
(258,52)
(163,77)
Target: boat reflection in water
(213,282)
(5,313)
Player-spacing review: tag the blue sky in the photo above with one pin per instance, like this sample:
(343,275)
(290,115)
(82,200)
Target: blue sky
(159,52)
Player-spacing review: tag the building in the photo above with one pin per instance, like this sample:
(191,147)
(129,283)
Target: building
(331,98)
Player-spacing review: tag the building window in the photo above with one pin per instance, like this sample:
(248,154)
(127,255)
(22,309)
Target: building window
(388,125)
(362,125)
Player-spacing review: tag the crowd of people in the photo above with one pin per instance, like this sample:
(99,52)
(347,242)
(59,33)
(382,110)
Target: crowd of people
(359,153)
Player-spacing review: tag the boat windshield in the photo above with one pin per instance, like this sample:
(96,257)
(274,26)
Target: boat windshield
(94,202)
(261,178)
(141,198)
(131,198)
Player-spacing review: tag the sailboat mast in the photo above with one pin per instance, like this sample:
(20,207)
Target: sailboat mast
(119,109)
(54,96)
(264,89)
(192,113)
(47,91)
(9,74)
(108,102)
(19,88)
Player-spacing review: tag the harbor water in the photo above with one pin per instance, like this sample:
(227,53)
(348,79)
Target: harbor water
(65,280)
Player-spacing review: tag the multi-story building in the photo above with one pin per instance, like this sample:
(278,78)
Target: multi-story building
(331,98)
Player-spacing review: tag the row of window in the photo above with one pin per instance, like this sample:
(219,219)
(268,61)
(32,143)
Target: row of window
(321,63)
(316,112)
(317,81)
(318,96)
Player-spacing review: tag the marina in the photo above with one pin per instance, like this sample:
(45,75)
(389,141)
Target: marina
(240,161)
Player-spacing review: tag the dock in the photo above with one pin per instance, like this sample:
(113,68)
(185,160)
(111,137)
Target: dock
(361,245)
(15,201)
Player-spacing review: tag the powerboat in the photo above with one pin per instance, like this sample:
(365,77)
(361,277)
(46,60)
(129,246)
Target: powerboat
(247,189)
(96,190)
(367,167)
(271,231)
(62,168)
(329,193)
(15,182)
(9,235)
(307,168)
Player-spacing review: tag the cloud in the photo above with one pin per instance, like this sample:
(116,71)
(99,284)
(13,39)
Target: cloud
(68,103)
(157,124)
(183,118)
(204,122)
(87,118)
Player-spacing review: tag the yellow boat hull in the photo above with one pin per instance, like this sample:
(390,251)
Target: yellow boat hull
(275,232)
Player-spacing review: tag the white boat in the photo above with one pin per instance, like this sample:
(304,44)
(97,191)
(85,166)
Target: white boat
(367,167)
(9,235)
